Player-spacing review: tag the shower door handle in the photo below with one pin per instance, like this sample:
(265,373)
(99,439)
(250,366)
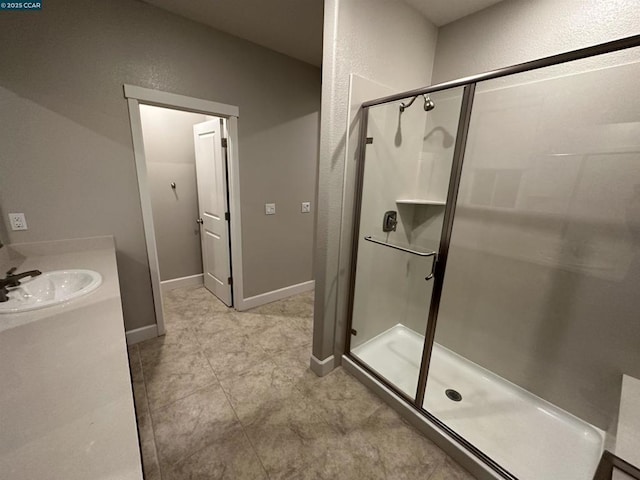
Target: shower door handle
(433,268)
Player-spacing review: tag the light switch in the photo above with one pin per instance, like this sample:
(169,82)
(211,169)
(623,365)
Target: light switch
(306,207)
(270,208)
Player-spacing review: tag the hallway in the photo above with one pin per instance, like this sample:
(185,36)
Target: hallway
(229,395)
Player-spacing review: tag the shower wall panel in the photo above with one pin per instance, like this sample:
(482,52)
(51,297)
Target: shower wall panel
(542,279)
(390,171)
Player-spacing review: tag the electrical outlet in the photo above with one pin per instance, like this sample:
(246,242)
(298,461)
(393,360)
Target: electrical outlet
(18,222)
(269,208)
(306,207)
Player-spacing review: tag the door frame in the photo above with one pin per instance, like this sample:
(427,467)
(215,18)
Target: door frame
(137,96)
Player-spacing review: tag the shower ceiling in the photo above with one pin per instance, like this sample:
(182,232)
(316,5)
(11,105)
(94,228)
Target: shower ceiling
(294,27)
(441,12)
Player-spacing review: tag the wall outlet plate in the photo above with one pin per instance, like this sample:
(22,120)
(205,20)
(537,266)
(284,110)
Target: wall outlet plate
(18,222)
(269,208)
(306,207)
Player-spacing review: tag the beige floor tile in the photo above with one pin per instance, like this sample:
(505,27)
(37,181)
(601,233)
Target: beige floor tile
(287,435)
(192,423)
(255,392)
(150,465)
(345,402)
(199,297)
(229,338)
(347,456)
(294,362)
(135,367)
(174,379)
(216,322)
(167,347)
(235,357)
(175,321)
(269,412)
(229,458)
(140,398)
(401,449)
(137,382)
(285,334)
(254,324)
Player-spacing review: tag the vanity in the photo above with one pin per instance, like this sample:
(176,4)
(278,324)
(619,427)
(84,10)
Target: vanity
(66,402)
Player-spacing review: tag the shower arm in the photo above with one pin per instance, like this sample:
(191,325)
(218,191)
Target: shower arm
(428,103)
(403,107)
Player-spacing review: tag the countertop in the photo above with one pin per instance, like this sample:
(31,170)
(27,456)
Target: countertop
(66,404)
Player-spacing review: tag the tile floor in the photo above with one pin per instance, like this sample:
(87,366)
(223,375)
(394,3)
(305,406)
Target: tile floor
(229,395)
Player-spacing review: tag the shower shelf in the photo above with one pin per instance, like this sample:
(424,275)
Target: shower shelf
(420,201)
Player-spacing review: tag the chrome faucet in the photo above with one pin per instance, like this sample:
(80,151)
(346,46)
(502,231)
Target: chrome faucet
(13,280)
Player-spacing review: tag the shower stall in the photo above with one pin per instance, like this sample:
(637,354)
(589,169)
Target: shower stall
(495,280)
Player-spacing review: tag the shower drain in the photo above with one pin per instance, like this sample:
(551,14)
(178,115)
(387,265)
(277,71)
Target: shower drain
(453,395)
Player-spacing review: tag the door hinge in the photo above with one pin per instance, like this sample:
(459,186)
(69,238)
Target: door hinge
(227,216)
(224,143)
(369,140)
(230,281)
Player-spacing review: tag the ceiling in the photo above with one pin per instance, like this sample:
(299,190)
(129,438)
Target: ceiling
(441,12)
(294,27)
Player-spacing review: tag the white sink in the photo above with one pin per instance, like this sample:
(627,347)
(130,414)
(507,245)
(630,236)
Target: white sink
(50,288)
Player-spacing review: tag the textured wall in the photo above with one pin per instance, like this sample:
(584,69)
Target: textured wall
(67,158)
(517,31)
(544,258)
(169,150)
(388,43)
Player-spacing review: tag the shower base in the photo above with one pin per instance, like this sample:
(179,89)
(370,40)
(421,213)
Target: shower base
(526,435)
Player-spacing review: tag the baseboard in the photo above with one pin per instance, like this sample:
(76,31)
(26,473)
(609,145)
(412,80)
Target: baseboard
(322,367)
(141,334)
(190,281)
(275,295)
(429,429)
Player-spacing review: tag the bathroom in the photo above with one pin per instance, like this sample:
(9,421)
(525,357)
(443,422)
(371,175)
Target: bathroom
(541,247)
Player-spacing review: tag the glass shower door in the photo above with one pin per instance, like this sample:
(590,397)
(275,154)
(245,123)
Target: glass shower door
(404,174)
(538,315)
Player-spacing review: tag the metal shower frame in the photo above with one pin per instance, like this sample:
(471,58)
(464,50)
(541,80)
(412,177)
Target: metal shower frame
(440,258)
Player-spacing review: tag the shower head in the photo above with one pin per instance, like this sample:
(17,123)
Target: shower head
(428,104)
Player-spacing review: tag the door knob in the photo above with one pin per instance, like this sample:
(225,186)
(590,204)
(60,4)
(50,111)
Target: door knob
(200,221)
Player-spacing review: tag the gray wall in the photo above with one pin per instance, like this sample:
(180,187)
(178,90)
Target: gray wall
(67,158)
(543,270)
(169,150)
(391,44)
(517,31)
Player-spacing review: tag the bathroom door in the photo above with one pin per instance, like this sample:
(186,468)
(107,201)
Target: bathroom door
(213,207)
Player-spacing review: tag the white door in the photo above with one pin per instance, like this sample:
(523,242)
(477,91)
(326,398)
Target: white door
(211,172)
